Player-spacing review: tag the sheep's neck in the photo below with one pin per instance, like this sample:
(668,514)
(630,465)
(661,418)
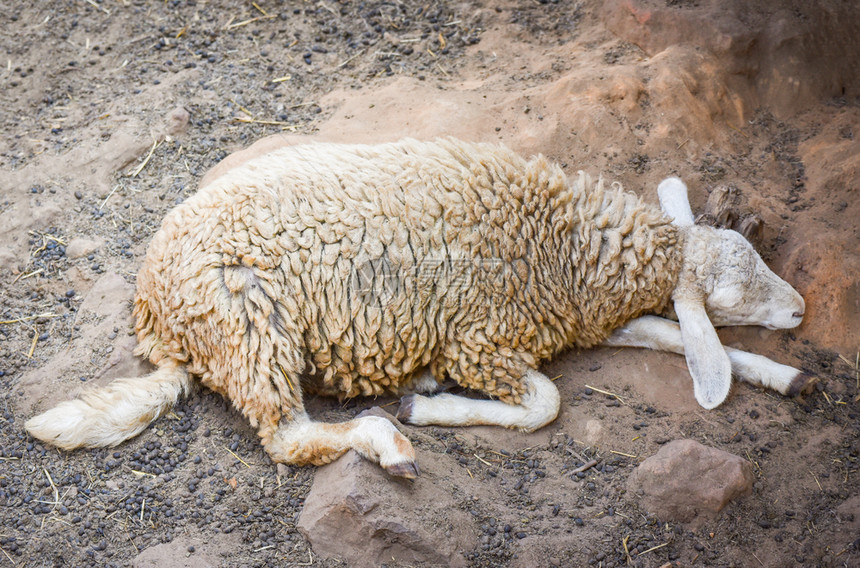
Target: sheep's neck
(619,270)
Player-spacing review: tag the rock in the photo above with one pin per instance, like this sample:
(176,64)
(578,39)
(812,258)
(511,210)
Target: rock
(176,554)
(593,431)
(357,513)
(80,247)
(690,483)
(176,122)
(376,411)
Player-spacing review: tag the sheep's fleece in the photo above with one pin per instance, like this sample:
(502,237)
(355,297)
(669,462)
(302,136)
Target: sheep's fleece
(262,278)
(354,269)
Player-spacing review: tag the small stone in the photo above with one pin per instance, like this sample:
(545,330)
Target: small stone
(177,121)
(80,247)
(356,513)
(689,482)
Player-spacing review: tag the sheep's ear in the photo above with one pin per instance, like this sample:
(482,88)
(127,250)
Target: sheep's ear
(674,201)
(707,361)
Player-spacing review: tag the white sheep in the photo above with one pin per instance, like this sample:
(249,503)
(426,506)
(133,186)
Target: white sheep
(365,269)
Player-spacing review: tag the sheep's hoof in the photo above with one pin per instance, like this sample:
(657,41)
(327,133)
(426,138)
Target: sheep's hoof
(802,384)
(404,413)
(407,470)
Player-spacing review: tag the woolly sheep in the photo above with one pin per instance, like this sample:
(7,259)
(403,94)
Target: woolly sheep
(367,269)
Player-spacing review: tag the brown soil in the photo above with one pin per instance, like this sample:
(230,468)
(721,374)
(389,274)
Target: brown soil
(759,97)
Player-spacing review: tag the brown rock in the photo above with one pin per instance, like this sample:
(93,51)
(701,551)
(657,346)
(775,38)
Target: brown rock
(79,247)
(207,552)
(176,123)
(357,513)
(688,482)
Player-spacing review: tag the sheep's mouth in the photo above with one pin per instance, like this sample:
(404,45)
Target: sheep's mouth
(793,322)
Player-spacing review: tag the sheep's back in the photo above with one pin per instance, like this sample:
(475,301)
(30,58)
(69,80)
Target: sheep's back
(369,262)
(363,255)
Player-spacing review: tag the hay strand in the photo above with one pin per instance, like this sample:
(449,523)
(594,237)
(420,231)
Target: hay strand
(607,393)
(237,457)
(142,165)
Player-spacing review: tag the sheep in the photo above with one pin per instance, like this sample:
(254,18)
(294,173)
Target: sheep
(354,270)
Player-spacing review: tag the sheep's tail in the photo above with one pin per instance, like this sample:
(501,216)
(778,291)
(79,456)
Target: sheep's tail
(110,415)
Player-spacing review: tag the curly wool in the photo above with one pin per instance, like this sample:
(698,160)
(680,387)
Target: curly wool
(350,267)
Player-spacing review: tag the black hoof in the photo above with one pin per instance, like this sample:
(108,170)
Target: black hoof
(802,384)
(404,413)
(406,470)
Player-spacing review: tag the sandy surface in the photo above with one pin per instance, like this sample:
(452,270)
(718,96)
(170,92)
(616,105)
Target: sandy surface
(112,112)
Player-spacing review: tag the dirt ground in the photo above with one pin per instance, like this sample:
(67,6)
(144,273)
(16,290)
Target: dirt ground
(113,110)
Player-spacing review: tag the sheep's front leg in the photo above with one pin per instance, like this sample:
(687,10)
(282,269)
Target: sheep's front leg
(302,441)
(652,332)
(539,407)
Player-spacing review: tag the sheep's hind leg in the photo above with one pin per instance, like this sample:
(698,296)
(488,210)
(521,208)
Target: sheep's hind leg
(302,441)
(539,407)
(652,332)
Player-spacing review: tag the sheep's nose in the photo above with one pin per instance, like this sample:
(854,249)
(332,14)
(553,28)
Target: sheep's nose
(798,314)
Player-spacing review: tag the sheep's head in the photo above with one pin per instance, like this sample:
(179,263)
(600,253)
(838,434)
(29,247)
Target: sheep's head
(723,281)
(739,288)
